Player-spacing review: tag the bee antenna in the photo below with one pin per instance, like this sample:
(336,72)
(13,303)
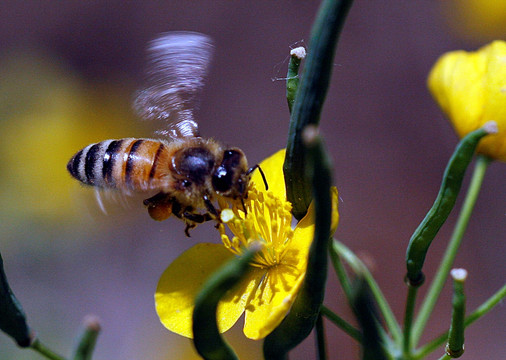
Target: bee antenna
(261,173)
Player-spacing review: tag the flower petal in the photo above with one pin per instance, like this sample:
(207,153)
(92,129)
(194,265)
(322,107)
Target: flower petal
(274,294)
(273,170)
(182,280)
(304,231)
(471,90)
(277,290)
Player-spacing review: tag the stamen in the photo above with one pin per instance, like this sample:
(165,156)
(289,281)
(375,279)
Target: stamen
(262,217)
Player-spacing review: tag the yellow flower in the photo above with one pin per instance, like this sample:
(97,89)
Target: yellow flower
(268,290)
(478,20)
(471,90)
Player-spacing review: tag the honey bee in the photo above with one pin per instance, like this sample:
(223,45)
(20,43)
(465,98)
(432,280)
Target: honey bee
(186,171)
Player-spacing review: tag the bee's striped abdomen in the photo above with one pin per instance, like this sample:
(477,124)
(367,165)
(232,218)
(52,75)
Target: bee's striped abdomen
(123,164)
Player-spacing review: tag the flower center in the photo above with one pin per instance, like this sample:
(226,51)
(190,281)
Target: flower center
(265,218)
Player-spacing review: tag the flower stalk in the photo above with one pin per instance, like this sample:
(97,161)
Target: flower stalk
(310,97)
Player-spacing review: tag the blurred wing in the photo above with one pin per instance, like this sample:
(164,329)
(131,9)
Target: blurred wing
(177,66)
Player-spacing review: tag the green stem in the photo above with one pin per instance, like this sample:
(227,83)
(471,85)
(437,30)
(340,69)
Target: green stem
(341,323)
(359,267)
(444,357)
(408,319)
(475,315)
(341,273)
(206,336)
(320,338)
(310,97)
(300,321)
(455,345)
(292,77)
(482,163)
(42,349)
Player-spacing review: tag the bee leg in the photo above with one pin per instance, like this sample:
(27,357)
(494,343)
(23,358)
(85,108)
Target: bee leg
(210,207)
(187,229)
(197,218)
(192,219)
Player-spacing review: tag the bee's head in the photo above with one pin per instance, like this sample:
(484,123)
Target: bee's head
(232,176)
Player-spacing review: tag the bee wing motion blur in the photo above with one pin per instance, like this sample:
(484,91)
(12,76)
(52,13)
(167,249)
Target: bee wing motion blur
(187,172)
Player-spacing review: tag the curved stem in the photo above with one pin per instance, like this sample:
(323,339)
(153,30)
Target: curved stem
(451,251)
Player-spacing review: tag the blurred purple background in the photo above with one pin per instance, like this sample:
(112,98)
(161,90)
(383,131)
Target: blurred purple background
(68,72)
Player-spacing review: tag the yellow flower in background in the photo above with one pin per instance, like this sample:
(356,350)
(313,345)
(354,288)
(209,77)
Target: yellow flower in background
(47,114)
(470,87)
(478,20)
(267,292)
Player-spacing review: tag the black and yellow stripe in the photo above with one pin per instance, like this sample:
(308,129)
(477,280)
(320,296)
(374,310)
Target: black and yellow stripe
(123,164)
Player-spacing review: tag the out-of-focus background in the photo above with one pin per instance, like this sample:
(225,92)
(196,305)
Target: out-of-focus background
(68,71)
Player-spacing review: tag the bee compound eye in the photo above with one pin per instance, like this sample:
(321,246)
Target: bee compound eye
(222,180)
(186,183)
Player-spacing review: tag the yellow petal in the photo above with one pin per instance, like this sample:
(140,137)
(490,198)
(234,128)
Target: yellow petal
(274,295)
(471,90)
(304,231)
(278,289)
(182,281)
(273,170)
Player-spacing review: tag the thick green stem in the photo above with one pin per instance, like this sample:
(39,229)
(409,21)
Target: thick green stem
(451,251)
(309,100)
(206,336)
(301,319)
